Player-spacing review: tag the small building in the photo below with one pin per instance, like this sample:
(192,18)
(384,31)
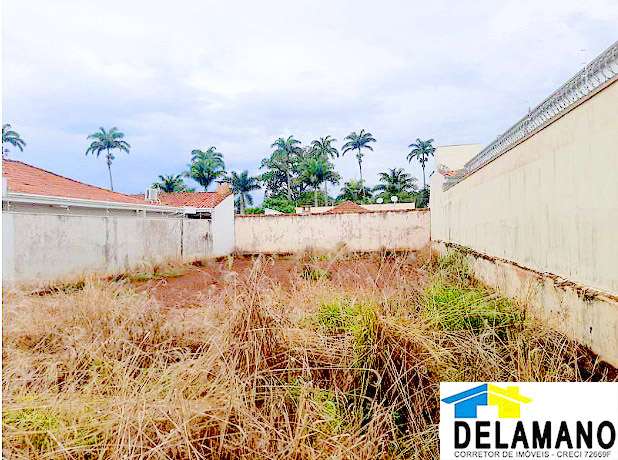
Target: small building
(368,207)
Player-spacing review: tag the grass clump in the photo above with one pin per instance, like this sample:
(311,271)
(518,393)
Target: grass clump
(453,308)
(455,301)
(315,273)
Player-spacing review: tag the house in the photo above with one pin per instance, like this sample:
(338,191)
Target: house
(367,207)
(347,207)
(56,227)
(508,401)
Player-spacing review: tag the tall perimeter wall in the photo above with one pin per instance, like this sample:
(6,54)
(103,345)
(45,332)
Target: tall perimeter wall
(540,221)
(369,231)
(41,247)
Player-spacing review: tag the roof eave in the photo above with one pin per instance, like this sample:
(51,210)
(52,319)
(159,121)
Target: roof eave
(31,198)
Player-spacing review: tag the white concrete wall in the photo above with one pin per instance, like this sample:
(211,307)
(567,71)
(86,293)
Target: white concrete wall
(589,317)
(370,231)
(541,221)
(549,204)
(223,227)
(43,247)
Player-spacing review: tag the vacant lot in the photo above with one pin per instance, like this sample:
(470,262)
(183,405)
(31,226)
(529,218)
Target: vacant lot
(314,356)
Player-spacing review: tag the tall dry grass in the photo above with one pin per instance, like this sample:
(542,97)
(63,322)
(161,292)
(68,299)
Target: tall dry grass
(344,361)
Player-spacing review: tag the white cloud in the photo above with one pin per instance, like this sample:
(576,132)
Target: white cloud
(237,74)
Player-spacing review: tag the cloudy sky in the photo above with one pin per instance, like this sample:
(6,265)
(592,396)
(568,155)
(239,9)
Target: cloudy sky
(237,74)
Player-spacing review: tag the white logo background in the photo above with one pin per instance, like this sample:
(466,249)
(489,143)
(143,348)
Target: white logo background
(553,402)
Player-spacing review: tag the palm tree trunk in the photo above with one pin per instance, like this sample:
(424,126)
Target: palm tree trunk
(109,170)
(315,196)
(289,182)
(424,184)
(288,177)
(360,170)
(242,203)
(325,193)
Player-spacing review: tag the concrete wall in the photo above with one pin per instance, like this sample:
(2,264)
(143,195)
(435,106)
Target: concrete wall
(549,204)
(223,227)
(360,231)
(586,315)
(43,247)
(540,222)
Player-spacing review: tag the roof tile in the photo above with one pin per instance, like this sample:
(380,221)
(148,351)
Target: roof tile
(24,178)
(346,207)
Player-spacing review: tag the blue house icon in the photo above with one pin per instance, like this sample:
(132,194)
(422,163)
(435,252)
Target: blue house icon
(466,402)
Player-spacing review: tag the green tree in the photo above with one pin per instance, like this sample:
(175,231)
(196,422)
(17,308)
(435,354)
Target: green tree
(206,166)
(242,186)
(10,137)
(279,203)
(316,171)
(396,182)
(421,151)
(284,157)
(422,198)
(354,190)
(358,142)
(324,147)
(107,141)
(172,183)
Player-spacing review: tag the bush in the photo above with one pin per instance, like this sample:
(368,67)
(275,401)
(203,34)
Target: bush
(256,210)
(280,204)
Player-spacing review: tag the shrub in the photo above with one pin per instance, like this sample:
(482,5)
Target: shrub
(280,204)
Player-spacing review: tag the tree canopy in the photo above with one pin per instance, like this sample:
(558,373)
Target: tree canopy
(11,137)
(206,166)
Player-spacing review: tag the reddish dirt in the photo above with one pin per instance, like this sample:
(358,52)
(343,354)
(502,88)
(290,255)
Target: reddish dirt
(207,279)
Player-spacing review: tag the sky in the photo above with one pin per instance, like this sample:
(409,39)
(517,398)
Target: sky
(175,76)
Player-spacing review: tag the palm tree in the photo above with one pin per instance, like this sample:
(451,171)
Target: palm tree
(323,147)
(315,171)
(107,141)
(172,183)
(11,137)
(421,151)
(354,190)
(285,151)
(206,167)
(358,142)
(211,152)
(242,184)
(396,182)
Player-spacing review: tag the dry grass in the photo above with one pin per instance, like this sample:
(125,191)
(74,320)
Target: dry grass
(341,364)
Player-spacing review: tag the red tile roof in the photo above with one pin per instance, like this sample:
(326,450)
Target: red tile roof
(196,199)
(24,178)
(346,207)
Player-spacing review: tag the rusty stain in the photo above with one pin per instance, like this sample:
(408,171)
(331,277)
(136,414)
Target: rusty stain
(583,292)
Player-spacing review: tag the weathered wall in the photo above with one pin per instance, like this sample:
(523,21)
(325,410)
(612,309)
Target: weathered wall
(541,221)
(370,231)
(223,227)
(549,204)
(585,315)
(42,247)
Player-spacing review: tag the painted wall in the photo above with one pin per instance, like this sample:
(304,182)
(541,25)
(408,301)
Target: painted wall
(587,316)
(549,204)
(43,247)
(360,232)
(223,227)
